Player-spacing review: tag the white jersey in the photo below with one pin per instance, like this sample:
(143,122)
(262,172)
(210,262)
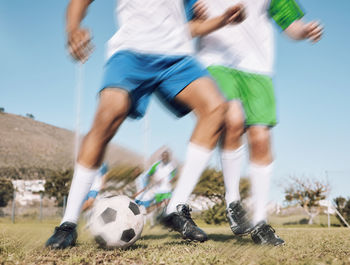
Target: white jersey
(163,176)
(152,27)
(248,46)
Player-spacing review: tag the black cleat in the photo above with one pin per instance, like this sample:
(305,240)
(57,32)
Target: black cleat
(238,219)
(64,236)
(264,234)
(182,222)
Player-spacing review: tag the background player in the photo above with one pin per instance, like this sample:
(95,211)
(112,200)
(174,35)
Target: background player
(155,189)
(240,58)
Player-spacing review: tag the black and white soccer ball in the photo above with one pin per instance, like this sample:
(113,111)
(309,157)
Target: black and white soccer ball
(116,221)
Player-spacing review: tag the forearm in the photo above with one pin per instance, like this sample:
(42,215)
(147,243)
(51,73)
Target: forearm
(295,30)
(204,27)
(75,13)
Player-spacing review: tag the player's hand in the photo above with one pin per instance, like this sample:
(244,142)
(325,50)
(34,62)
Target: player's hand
(200,10)
(235,14)
(79,44)
(312,31)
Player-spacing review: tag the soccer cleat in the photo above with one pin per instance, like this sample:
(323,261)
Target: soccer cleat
(238,219)
(264,234)
(182,222)
(64,236)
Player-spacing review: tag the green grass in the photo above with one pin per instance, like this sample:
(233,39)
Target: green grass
(22,243)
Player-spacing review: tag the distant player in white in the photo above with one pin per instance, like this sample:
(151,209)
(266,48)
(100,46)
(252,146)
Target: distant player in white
(155,187)
(241,58)
(150,53)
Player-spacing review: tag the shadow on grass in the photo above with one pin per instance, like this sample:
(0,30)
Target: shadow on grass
(181,243)
(303,221)
(212,237)
(225,237)
(135,246)
(159,236)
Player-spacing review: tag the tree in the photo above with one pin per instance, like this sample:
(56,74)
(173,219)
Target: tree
(307,193)
(2,110)
(31,116)
(121,179)
(211,185)
(6,191)
(58,184)
(343,207)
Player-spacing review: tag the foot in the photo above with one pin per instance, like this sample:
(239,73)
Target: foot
(64,236)
(264,234)
(182,222)
(238,219)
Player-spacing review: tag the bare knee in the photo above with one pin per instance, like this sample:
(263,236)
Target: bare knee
(234,121)
(260,145)
(214,112)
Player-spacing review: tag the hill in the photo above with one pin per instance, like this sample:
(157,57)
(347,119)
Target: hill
(29,148)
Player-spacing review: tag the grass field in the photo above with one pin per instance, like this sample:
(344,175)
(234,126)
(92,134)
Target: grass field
(22,243)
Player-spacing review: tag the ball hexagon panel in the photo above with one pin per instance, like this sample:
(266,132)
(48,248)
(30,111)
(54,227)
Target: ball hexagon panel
(128,235)
(109,215)
(134,208)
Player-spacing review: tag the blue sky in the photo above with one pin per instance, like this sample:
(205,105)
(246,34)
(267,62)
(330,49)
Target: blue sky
(312,87)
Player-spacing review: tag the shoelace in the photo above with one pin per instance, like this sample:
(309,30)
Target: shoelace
(237,213)
(63,228)
(186,212)
(269,231)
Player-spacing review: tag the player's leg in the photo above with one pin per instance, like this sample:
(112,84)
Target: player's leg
(209,106)
(232,156)
(260,171)
(112,110)
(121,96)
(261,116)
(232,151)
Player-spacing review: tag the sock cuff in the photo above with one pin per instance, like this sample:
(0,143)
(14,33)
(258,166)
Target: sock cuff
(233,154)
(198,148)
(265,168)
(85,170)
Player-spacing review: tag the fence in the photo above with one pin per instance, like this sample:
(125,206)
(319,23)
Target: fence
(38,210)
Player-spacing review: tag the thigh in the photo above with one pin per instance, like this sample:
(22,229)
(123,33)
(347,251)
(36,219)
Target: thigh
(114,104)
(187,86)
(126,71)
(201,95)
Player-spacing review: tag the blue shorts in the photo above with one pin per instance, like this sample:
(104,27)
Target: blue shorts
(92,194)
(143,74)
(145,203)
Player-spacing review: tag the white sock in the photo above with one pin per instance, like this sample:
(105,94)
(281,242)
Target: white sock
(97,183)
(197,159)
(231,161)
(81,183)
(260,180)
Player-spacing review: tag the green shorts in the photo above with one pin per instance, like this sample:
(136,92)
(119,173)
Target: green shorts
(254,91)
(159,197)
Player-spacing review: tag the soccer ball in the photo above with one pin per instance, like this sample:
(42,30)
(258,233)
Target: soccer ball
(116,221)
